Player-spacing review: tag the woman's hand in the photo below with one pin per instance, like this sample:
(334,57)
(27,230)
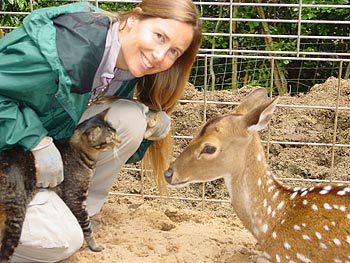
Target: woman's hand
(158,125)
(48,163)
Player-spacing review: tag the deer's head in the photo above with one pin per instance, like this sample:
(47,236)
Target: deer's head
(221,144)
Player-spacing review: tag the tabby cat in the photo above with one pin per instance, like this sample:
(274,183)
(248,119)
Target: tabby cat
(18,179)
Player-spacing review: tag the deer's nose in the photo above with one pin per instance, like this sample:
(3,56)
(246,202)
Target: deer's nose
(168,174)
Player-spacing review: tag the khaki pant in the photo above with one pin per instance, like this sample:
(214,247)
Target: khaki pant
(50,232)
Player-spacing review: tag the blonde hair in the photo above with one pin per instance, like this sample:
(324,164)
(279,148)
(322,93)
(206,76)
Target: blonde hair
(161,91)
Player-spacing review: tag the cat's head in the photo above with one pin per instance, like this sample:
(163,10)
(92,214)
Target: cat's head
(96,133)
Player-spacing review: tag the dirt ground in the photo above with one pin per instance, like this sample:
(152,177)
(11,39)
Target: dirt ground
(152,230)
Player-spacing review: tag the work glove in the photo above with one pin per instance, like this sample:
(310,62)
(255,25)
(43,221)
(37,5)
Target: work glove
(48,163)
(158,125)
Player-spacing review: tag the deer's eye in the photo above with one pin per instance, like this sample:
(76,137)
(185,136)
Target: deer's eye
(209,149)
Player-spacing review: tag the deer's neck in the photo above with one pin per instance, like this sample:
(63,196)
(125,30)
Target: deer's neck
(255,194)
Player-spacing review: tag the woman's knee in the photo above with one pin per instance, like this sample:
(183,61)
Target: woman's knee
(26,253)
(50,231)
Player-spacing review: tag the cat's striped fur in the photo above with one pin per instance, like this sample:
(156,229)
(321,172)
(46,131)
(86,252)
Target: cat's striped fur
(18,179)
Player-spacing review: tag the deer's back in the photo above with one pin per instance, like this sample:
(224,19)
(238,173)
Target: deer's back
(312,223)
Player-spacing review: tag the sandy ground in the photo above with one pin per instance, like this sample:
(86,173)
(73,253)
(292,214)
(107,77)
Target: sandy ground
(148,230)
(154,231)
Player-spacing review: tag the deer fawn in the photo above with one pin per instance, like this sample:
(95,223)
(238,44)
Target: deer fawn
(291,224)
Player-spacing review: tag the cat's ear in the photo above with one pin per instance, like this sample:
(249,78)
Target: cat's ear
(102,114)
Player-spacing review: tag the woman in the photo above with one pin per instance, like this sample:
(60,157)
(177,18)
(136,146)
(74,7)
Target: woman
(63,59)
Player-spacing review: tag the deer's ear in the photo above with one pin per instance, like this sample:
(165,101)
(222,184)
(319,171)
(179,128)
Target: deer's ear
(254,99)
(258,118)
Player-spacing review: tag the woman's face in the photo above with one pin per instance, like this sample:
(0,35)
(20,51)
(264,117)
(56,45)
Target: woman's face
(152,45)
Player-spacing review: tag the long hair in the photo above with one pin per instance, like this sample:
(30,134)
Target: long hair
(161,91)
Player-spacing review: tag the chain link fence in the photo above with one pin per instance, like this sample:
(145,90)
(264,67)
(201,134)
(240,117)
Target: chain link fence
(248,43)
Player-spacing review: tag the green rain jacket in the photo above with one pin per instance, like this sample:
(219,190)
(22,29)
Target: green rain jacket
(46,74)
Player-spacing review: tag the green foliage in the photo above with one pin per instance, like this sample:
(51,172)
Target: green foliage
(13,5)
(300,75)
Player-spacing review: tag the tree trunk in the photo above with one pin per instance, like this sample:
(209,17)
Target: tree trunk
(279,78)
(347,71)
(234,75)
(211,61)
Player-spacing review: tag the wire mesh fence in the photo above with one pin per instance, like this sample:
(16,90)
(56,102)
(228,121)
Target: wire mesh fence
(249,43)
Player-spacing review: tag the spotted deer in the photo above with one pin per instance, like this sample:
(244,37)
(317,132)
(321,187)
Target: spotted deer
(291,224)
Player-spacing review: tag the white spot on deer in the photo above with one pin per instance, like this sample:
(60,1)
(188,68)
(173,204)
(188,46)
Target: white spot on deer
(318,235)
(278,258)
(333,223)
(264,202)
(259,182)
(296,189)
(306,237)
(323,192)
(275,195)
(314,207)
(304,193)
(326,228)
(281,205)
(348,216)
(293,195)
(323,246)
(327,206)
(287,245)
(327,187)
(347,189)
(259,157)
(305,202)
(337,260)
(342,208)
(341,193)
(304,225)
(274,234)
(269,210)
(296,227)
(273,213)
(264,228)
(303,258)
(348,239)
(337,241)
(311,189)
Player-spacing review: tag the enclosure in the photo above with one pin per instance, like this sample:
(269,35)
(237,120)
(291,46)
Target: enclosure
(298,50)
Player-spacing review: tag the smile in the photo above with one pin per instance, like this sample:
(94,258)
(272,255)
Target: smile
(146,62)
